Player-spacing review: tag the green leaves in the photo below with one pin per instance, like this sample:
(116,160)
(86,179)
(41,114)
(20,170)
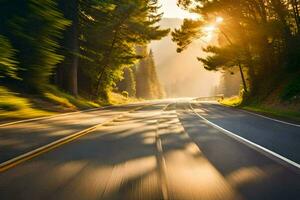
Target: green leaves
(8,64)
(33,28)
(189,31)
(259,36)
(111,37)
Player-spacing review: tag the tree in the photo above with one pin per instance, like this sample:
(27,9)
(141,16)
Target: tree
(66,74)
(33,28)
(259,36)
(8,64)
(128,83)
(148,86)
(122,25)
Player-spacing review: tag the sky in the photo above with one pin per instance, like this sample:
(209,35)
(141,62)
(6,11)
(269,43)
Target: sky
(171,10)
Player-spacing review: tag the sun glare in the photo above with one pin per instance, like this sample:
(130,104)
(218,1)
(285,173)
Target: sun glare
(219,20)
(209,28)
(209,31)
(171,10)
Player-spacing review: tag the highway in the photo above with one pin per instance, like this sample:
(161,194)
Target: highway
(175,149)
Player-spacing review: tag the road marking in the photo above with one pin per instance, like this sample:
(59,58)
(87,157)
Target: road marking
(46,148)
(63,114)
(162,165)
(248,142)
(276,120)
(161,160)
(49,117)
(259,115)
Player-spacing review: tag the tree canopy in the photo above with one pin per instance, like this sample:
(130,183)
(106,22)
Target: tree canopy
(260,36)
(80,45)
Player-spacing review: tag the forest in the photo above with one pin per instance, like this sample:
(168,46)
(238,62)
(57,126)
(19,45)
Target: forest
(78,49)
(258,39)
(84,53)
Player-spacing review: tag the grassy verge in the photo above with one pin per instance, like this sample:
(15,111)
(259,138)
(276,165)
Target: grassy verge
(285,113)
(15,106)
(68,101)
(117,99)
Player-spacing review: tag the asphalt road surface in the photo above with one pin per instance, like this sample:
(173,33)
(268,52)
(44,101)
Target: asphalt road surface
(174,149)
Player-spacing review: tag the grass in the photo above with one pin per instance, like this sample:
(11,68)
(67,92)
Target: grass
(285,113)
(15,106)
(275,112)
(232,101)
(68,101)
(12,106)
(117,99)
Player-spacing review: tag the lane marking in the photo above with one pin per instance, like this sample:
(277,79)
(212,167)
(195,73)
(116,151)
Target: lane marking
(48,147)
(50,117)
(259,115)
(64,114)
(161,160)
(162,165)
(276,120)
(248,142)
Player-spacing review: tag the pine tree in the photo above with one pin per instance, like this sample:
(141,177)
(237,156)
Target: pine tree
(8,64)
(33,28)
(128,83)
(66,73)
(148,86)
(260,37)
(122,25)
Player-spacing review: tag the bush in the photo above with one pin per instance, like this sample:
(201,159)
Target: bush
(125,94)
(292,90)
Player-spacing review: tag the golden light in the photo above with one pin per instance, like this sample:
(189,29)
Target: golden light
(209,29)
(219,20)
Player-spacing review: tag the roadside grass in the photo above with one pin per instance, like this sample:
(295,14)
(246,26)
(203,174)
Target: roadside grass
(282,112)
(68,101)
(117,99)
(13,106)
(232,101)
(285,114)
(16,106)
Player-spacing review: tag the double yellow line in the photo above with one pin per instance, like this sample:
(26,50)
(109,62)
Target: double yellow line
(41,150)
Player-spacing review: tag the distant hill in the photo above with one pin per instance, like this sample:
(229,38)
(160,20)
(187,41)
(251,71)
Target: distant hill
(181,74)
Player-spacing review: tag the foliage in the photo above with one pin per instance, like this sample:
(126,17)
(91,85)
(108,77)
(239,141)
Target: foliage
(260,36)
(122,25)
(125,94)
(58,97)
(8,65)
(232,101)
(128,84)
(148,86)
(14,106)
(292,90)
(54,42)
(33,28)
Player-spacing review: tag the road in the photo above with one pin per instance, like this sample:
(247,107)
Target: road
(173,149)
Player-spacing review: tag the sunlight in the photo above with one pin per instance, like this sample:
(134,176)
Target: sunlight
(171,10)
(209,28)
(219,20)
(209,32)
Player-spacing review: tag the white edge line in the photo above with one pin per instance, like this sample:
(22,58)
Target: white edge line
(276,120)
(233,135)
(259,115)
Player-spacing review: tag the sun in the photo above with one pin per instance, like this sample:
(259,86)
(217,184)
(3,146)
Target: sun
(219,20)
(209,28)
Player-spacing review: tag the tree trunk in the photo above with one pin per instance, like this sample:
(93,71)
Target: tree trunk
(70,44)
